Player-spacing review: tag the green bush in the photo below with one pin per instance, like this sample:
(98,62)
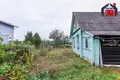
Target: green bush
(42,75)
(12,71)
(30,76)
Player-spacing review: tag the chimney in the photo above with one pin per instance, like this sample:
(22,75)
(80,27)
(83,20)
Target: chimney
(114,4)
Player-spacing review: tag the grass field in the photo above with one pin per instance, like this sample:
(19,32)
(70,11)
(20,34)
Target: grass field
(63,64)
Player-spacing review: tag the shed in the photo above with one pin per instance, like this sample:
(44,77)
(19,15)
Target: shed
(96,38)
(6,31)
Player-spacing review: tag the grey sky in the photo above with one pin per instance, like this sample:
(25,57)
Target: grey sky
(44,15)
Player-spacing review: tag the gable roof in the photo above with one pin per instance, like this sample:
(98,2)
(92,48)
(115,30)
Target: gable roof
(97,24)
(9,24)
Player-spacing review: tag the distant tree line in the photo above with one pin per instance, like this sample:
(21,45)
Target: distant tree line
(33,39)
(57,36)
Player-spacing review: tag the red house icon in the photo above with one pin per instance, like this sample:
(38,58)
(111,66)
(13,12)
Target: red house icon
(109,10)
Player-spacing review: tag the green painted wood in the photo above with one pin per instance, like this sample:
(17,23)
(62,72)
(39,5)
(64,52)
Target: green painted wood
(96,55)
(92,50)
(81,44)
(75,37)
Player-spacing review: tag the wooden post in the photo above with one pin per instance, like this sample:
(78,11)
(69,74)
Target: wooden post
(101,60)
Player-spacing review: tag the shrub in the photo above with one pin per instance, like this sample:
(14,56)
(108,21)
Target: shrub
(42,75)
(30,76)
(12,71)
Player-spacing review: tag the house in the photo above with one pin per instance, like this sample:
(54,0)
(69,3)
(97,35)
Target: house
(96,38)
(6,31)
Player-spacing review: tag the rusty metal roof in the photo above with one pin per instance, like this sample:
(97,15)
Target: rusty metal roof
(97,24)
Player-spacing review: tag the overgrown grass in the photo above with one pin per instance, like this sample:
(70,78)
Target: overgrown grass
(63,64)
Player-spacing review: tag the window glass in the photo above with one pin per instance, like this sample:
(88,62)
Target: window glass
(86,43)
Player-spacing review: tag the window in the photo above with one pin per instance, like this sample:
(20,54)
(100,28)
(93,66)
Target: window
(86,43)
(77,41)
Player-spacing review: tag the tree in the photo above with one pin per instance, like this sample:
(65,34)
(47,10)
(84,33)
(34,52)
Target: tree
(29,37)
(57,37)
(66,39)
(37,40)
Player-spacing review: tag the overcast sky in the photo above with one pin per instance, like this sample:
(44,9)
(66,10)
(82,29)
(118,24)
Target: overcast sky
(44,15)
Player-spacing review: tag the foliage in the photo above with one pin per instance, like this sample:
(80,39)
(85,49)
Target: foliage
(78,69)
(66,40)
(30,76)
(42,75)
(7,57)
(15,42)
(63,64)
(32,39)
(37,40)
(46,42)
(12,71)
(1,40)
(57,37)
(43,51)
(29,37)
(15,58)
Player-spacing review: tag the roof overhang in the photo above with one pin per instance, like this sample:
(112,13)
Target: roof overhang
(107,33)
(9,24)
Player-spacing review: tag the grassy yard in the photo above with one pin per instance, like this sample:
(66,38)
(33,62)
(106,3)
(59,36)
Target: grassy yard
(63,64)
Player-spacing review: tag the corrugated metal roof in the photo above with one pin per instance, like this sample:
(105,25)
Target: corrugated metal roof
(97,24)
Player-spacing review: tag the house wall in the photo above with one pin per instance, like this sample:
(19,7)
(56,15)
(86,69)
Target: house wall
(96,48)
(87,52)
(74,37)
(5,38)
(6,30)
(91,53)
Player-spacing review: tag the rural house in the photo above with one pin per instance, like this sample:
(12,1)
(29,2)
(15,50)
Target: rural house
(96,38)
(6,31)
